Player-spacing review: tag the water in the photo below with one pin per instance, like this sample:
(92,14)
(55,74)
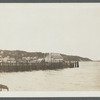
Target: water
(84,78)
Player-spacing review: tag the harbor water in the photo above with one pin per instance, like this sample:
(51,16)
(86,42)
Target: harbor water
(84,78)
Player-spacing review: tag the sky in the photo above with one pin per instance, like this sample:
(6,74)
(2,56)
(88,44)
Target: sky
(70,28)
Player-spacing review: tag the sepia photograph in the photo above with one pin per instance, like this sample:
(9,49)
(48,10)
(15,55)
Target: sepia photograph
(49,47)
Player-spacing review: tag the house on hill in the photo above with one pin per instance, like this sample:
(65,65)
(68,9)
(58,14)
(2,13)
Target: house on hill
(7,60)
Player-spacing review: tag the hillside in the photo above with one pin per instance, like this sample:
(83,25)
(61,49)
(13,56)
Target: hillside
(74,58)
(17,54)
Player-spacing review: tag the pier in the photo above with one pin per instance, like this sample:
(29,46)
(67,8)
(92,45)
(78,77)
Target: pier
(5,67)
(50,62)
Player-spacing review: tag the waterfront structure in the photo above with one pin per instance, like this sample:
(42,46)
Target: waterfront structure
(7,59)
(53,58)
(51,61)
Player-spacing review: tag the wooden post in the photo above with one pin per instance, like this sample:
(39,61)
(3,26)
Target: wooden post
(77,64)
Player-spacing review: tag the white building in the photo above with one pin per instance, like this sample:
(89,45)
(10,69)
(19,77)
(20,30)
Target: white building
(29,58)
(54,57)
(8,60)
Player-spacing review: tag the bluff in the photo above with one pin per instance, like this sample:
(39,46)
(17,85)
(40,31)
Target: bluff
(18,54)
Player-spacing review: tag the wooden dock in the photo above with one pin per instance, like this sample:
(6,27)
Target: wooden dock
(16,67)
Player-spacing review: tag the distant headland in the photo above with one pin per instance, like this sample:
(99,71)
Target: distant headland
(14,61)
(19,55)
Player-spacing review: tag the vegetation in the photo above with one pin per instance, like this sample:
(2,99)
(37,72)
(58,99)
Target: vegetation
(17,54)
